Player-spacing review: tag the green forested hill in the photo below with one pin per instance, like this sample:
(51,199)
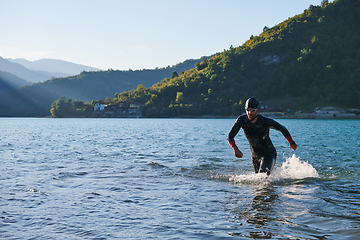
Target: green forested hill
(307,61)
(36,99)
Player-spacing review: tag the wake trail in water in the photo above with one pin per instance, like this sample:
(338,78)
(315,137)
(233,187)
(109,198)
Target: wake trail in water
(292,169)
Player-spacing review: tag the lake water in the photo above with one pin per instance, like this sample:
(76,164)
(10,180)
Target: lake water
(175,179)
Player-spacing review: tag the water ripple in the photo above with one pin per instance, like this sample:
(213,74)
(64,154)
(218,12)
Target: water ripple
(174,179)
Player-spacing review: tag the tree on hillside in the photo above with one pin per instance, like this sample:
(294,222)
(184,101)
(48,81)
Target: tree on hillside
(324,3)
(179,97)
(174,74)
(61,107)
(65,107)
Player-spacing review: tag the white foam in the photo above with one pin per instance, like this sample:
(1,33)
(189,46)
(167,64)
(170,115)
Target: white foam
(292,169)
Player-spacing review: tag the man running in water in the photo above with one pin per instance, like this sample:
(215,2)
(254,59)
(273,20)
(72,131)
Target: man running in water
(256,129)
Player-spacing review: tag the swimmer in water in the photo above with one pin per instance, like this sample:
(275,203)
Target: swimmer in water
(256,129)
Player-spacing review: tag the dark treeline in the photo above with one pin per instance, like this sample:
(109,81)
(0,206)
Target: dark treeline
(66,107)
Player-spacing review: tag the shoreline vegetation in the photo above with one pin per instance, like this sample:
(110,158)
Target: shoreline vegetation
(276,115)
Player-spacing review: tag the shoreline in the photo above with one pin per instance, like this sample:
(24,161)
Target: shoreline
(266,114)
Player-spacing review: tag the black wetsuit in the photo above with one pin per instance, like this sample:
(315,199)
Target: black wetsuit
(263,153)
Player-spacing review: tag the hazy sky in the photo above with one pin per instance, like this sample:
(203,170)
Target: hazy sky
(134,34)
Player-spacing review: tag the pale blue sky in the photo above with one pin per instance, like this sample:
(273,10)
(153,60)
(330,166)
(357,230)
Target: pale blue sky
(134,34)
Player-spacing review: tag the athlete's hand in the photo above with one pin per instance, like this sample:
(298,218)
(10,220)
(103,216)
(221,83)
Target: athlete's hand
(237,152)
(293,146)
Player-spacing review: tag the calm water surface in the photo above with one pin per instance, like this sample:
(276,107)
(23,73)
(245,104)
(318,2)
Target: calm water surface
(175,179)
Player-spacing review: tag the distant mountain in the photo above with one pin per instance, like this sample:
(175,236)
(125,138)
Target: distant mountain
(9,82)
(50,75)
(60,67)
(22,72)
(35,100)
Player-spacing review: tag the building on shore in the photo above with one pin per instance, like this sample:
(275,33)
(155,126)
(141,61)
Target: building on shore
(123,110)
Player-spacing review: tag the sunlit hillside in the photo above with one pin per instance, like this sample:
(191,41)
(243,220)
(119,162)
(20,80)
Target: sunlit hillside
(307,61)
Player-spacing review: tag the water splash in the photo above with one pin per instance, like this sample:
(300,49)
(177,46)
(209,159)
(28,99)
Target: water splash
(292,169)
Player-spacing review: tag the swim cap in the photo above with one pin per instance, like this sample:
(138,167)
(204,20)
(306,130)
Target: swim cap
(251,103)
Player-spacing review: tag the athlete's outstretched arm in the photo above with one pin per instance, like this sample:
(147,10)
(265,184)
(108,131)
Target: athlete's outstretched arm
(277,126)
(293,145)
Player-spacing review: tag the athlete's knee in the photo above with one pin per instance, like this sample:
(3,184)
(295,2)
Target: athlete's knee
(256,163)
(267,165)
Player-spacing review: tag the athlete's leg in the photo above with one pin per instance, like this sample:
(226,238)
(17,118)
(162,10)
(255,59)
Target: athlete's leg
(256,163)
(267,163)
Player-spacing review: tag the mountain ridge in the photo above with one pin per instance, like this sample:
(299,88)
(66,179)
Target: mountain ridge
(10,81)
(21,71)
(35,99)
(58,66)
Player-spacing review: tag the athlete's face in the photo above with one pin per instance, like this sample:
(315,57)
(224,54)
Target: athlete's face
(251,112)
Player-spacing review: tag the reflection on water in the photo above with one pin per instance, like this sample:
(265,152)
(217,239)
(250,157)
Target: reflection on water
(262,206)
(262,211)
(272,210)
(277,200)
(253,214)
